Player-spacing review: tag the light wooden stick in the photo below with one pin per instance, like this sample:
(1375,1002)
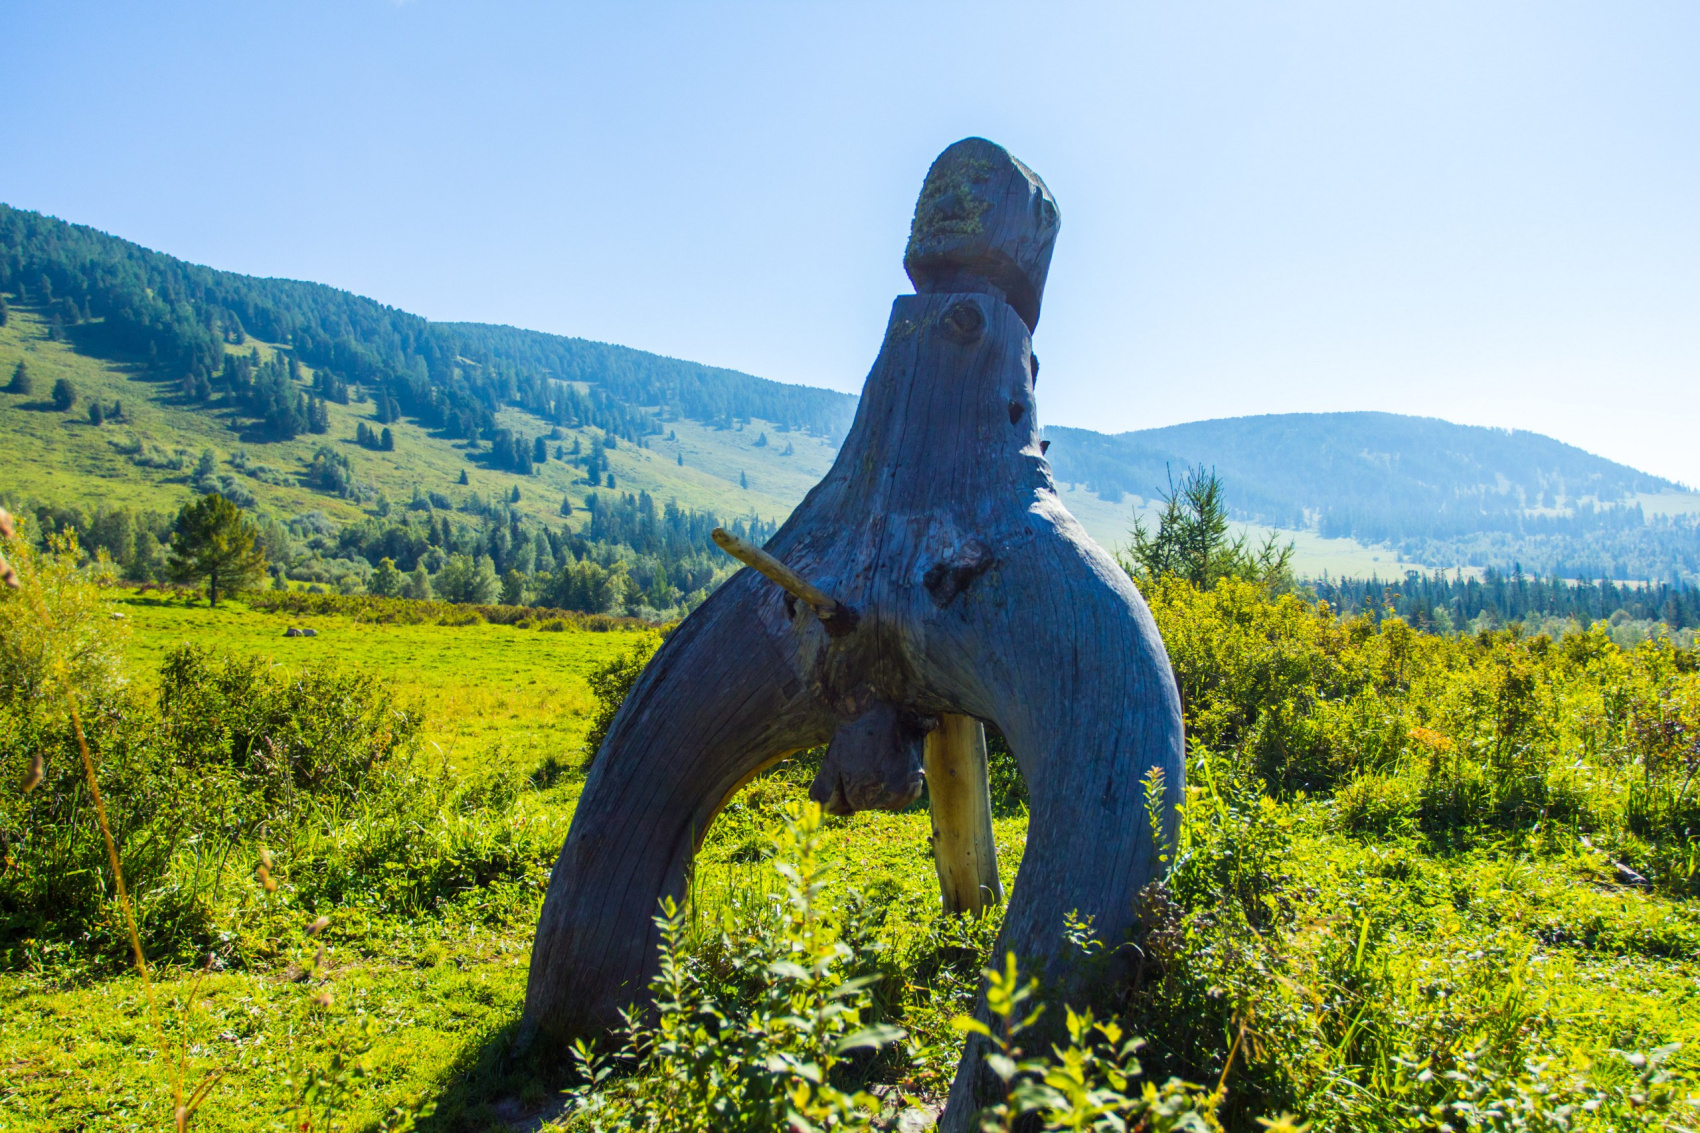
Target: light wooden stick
(961,800)
(827,608)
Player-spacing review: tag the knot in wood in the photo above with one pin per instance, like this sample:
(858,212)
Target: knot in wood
(964,322)
(984,222)
(946,579)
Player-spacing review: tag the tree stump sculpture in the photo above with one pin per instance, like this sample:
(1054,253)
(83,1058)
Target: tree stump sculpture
(932,580)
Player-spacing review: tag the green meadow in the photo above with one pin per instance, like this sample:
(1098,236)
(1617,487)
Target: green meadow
(1423,883)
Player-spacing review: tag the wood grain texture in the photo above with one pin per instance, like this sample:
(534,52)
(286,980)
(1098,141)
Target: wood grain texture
(977,595)
(959,797)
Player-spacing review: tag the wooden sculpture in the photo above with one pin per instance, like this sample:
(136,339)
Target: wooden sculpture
(932,580)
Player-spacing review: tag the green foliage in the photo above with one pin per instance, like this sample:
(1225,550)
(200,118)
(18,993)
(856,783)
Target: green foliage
(20,382)
(386,581)
(213,540)
(765,1061)
(230,753)
(1191,540)
(1085,1082)
(64,395)
(466,581)
(610,683)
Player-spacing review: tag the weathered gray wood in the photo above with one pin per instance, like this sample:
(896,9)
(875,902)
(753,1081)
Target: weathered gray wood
(874,762)
(960,799)
(976,594)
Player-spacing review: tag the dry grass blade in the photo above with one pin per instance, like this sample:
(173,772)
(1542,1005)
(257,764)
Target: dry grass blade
(182,1110)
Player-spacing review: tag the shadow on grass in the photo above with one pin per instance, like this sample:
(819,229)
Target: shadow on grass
(502,1082)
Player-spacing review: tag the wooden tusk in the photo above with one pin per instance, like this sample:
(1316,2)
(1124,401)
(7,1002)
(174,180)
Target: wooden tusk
(834,615)
(959,795)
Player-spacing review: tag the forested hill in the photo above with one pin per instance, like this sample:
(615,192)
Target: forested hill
(110,294)
(1440,493)
(467,397)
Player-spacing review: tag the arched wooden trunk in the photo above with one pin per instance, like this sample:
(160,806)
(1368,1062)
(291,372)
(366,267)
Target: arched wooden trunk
(962,586)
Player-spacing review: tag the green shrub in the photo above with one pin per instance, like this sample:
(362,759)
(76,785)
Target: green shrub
(231,753)
(610,683)
(770,1058)
(319,732)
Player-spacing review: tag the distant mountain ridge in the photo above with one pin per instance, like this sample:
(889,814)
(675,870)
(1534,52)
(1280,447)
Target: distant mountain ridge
(1439,494)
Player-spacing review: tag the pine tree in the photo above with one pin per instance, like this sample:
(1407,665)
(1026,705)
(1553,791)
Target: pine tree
(97,414)
(743,480)
(64,395)
(513,588)
(463,477)
(610,479)
(540,451)
(681,460)
(213,540)
(566,505)
(386,440)
(117,413)
(513,496)
(20,379)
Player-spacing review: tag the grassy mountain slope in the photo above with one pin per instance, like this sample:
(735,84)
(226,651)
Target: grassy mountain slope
(62,458)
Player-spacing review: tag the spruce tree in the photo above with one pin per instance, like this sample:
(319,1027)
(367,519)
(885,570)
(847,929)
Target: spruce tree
(743,480)
(212,539)
(513,496)
(64,395)
(513,588)
(20,379)
(566,505)
(540,451)
(386,441)
(463,477)
(97,414)
(681,460)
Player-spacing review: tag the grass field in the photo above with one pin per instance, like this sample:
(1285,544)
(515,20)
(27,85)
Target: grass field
(79,1051)
(1528,939)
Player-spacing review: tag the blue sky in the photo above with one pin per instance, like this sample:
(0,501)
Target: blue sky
(1488,212)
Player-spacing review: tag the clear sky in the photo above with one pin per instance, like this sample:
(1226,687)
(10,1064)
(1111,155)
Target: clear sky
(1488,212)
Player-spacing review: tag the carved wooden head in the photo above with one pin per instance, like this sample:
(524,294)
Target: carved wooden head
(984,222)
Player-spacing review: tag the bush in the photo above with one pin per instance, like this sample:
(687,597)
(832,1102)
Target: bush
(610,683)
(772,1058)
(231,753)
